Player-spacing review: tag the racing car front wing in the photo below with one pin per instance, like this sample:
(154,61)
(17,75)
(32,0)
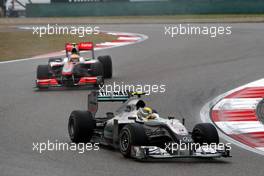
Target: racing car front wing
(84,81)
(153,152)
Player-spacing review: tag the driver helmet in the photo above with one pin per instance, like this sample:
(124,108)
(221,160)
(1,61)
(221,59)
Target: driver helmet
(74,51)
(144,112)
(74,58)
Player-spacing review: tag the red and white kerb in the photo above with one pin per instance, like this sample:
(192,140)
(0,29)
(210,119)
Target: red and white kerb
(122,40)
(236,115)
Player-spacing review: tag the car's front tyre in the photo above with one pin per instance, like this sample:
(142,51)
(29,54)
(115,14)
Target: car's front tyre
(129,136)
(107,66)
(43,73)
(205,133)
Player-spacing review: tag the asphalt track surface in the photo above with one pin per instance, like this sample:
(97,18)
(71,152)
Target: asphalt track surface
(195,69)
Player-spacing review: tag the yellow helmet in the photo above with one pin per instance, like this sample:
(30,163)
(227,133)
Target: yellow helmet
(144,112)
(148,110)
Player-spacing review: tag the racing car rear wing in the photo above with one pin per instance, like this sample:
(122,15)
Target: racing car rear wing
(98,96)
(117,96)
(83,46)
(113,96)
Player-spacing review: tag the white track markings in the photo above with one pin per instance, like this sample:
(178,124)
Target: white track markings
(260,148)
(237,103)
(129,38)
(234,127)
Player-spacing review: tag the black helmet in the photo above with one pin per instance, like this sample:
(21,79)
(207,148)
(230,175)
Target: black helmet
(74,50)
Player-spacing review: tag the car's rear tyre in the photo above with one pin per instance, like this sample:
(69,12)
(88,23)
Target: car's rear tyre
(205,133)
(80,126)
(97,69)
(107,66)
(43,72)
(131,135)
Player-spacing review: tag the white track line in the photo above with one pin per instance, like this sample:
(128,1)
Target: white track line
(237,103)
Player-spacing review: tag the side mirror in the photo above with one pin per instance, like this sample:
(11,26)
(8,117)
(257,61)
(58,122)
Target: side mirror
(170,118)
(109,115)
(132,118)
(183,121)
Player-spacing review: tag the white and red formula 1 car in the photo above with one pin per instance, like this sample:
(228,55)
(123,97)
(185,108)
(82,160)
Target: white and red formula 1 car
(75,70)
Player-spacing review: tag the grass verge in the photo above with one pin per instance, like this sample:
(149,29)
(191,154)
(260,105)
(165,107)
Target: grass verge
(22,44)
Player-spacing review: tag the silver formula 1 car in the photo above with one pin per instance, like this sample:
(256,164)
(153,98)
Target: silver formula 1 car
(74,70)
(139,132)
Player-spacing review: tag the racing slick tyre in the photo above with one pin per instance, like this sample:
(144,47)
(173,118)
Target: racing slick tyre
(107,66)
(80,126)
(97,69)
(131,135)
(43,72)
(205,133)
